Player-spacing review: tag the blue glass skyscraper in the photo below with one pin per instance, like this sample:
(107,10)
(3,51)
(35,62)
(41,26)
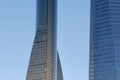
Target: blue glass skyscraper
(44,61)
(105,40)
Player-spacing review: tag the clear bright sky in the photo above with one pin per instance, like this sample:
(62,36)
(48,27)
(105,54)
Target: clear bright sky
(17,30)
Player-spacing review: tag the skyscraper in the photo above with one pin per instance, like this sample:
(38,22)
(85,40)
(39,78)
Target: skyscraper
(44,61)
(105,40)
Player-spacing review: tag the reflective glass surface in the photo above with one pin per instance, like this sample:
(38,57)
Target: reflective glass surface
(44,61)
(105,40)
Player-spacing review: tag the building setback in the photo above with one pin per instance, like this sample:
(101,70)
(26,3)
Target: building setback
(105,40)
(44,62)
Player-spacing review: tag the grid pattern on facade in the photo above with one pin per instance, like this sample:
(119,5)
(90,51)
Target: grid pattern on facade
(105,40)
(44,62)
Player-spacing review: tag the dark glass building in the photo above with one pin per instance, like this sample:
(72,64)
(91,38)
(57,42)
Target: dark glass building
(44,62)
(105,40)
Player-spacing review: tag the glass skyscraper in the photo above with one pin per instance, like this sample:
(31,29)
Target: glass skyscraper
(105,40)
(44,62)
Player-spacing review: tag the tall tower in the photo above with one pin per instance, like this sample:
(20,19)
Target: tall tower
(44,61)
(105,40)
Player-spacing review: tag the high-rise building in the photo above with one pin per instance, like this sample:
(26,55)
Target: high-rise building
(44,62)
(105,40)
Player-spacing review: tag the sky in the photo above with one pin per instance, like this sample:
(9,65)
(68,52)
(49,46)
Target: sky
(17,31)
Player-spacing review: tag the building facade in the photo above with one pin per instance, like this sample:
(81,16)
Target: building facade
(105,40)
(44,62)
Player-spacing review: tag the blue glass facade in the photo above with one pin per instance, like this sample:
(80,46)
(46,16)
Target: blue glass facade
(105,40)
(44,61)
